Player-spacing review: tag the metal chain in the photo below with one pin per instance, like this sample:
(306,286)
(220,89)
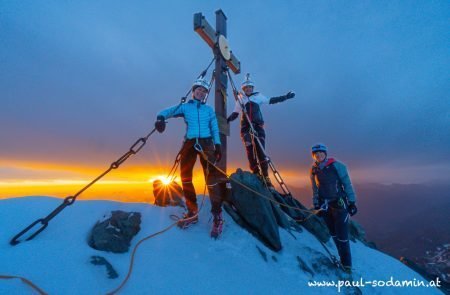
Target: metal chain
(312,212)
(333,258)
(205,100)
(134,149)
(252,131)
(202,75)
(171,176)
(277,175)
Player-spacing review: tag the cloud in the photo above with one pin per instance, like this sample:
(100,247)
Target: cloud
(81,81)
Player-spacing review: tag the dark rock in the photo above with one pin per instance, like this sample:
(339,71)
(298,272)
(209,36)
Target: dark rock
(262,253)
(303,266)
(255,209)
(115,233)
(280,216)
(252,211)
(167,195)
(99,260)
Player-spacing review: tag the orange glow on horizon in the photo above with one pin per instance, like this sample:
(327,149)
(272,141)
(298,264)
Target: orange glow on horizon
(165,180)
(126,184)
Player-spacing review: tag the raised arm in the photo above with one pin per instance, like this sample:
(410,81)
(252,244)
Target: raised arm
(282,98)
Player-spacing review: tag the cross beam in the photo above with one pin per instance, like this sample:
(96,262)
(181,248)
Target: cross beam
(211,37)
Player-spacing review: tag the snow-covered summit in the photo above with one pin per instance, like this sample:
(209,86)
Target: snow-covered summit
(177,261)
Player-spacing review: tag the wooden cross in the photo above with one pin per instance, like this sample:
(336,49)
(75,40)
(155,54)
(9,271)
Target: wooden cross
(216,39)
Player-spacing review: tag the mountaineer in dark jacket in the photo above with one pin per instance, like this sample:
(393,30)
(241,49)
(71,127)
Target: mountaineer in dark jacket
(333,193)
(252,102)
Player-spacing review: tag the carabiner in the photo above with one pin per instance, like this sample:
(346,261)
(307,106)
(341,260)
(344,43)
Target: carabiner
(197,146)
(324,206)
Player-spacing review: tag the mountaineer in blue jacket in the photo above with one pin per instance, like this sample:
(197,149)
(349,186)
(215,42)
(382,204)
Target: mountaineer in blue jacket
(333,193)
(202,131)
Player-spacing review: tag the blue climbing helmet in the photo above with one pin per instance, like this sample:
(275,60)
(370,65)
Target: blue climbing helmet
(319,147)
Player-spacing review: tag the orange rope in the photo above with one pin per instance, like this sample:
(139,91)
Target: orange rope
(133,255)
(311,212)
(25,281)
(130,269)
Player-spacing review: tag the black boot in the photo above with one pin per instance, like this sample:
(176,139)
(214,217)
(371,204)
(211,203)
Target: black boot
(217,227)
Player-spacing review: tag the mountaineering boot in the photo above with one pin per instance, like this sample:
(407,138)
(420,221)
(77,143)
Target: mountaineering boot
(217,226)
(189,218)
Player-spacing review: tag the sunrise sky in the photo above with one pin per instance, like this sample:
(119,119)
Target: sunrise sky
(80,81)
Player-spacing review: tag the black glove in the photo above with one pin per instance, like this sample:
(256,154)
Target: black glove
(160,124)
(232,117)
(218,152)
(352,208)
(282,98)
(290,95)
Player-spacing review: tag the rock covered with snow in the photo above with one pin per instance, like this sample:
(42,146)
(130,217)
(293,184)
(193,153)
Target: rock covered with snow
(114,233)
(168,194)
(253,212)
(176,261)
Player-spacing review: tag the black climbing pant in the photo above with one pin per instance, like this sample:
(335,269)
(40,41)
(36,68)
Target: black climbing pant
(254,151)
(213,177)
(337,218)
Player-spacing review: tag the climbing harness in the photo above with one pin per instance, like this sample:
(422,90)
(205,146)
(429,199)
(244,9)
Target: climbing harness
(134,149)
(324,206)
(254,136)
(42,223)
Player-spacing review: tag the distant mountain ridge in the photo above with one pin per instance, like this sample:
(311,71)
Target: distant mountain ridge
(404,220)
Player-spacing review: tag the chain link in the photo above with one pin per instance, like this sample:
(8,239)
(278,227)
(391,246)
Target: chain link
(134,149)
(255,137)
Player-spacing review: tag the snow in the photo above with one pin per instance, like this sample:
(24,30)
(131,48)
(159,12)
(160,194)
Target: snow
(175,262)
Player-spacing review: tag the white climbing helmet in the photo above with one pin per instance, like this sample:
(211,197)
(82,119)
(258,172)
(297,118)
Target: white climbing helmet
(200,82)
(247,82)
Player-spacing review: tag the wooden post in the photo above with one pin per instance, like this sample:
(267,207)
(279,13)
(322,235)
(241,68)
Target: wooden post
(221,83)
(211,36)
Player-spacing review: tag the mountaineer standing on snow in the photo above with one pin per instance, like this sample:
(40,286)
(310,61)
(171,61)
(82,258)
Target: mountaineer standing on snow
(333,193)
(252,102)
(202,134)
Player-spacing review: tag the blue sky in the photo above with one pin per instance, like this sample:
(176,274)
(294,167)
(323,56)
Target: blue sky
(81,80)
